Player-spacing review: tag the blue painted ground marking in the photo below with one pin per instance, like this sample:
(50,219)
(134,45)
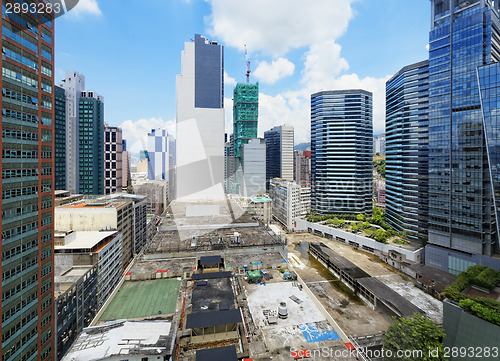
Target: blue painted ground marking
(312,334)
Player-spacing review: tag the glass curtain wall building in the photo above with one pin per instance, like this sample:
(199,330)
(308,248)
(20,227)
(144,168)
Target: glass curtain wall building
(406,169)
(60,138)
(463,226)
(27,185)
(279,153)
(91,143)
(341,151)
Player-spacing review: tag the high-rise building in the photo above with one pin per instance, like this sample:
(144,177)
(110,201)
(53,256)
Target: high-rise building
(341,151)
(113,159)
(200,121)
(279,152)
(91,144)
(302,167)
(27,185)
(245,121)
(463,213)
(254,166)
(161,159)
(73,85)
(379,144)
(59,138)
(407,151)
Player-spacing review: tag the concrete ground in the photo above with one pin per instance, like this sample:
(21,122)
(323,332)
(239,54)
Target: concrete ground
(352,315)
(143,298)
(305,328)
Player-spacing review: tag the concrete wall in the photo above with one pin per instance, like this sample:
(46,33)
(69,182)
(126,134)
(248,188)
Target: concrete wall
(398,254)
(84,219)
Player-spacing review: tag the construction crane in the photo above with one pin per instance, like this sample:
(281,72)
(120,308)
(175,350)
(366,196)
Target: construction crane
(248,64)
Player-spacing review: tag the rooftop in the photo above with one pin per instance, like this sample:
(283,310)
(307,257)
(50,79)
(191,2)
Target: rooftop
(123,338)
(84,239)
(227,353)
(209,319)
(142,299)
(212,295)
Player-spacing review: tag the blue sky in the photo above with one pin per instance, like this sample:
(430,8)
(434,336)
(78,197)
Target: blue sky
(129,52)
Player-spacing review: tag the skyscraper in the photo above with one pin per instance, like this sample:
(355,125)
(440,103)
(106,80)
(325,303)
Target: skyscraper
(91,143)
(60,138)
(341,151)
(113,159)
(279,153)
(27,185)
(161,159)
(200,121)
(407,151)
(463,214)
(245,122)
(73,85)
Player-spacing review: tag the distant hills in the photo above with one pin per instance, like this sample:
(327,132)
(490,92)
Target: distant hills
(302,146)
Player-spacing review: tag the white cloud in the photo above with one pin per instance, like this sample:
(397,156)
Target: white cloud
(228,80)
(275,27)
(277,69)
(136,132)
(85,7)
(323,63)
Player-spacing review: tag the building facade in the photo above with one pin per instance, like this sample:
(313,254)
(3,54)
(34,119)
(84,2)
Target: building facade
(407,151)
(27,185)
(100,214)
(302,167)
(200,121)
(156,195)
(113,159)
(245,122)
(463,216)
(59,138)
(254,168)
(91,144)
(341,151)
(161,159)
(289,200)
(73,84)
(279,152)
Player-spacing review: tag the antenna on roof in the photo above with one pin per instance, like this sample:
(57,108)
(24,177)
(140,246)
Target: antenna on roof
(248,64)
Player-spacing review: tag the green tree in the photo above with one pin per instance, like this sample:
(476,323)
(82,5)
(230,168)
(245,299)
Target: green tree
(366,225)
(341,222)
(414,333)
(360,217)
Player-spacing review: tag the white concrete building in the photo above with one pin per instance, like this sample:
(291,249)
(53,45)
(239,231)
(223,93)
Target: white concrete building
(103,248)
(73,85)
(161,159)
(200,121)
(289,201)
(254,168)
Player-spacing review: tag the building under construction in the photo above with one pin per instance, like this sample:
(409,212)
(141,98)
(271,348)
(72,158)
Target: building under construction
(245,119)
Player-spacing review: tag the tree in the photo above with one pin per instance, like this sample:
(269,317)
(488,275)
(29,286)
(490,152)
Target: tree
(341,222)
(414,333)
(360,217)
(366,225)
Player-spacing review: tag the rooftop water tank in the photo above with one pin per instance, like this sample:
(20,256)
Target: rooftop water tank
(282,310)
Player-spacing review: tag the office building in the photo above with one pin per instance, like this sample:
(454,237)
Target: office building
(161,159)
(113,159)
(407,156)
(98,214)
(89,248)
(91,144)
(254,168)
(341,151)
(379,145)
(290,200)
(73,85)
(156,195)
(200,121)
(27,187)
(76,303)
(463,213)
(59,138)
(245,121)
(279,152)
(302,167)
